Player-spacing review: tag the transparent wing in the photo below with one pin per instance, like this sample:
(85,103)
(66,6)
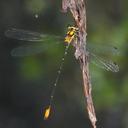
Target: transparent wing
(34,47)
(103,49)
(27,50)
(26,35)
(104,63)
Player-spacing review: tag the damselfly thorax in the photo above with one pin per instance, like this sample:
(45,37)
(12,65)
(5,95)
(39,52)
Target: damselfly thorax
(71,34)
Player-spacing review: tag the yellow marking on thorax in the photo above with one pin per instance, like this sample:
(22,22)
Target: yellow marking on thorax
(70,35)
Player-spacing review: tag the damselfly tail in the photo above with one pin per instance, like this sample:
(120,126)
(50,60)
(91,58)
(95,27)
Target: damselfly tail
(48,109)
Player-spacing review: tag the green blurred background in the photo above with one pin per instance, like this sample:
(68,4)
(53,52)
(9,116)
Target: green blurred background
(26,82)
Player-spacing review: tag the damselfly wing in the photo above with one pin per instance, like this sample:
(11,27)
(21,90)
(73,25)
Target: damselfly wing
(37,42)
(38,45)
(26,35)
(99,55)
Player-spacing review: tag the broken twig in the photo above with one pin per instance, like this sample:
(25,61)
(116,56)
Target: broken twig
(77,8)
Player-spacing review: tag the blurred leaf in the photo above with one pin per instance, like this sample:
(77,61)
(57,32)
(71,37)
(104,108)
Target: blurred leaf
(35,6)
(31,68)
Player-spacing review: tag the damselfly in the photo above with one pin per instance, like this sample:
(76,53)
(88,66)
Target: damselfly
(36,47)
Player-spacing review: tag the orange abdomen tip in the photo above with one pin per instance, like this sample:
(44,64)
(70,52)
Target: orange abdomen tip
(47,112)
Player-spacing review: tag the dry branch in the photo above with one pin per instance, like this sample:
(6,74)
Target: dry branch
(77,8)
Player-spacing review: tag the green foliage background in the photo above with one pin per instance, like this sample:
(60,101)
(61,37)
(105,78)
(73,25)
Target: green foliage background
(26,82)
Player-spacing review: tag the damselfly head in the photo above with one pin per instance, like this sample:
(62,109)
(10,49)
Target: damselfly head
(73,28)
